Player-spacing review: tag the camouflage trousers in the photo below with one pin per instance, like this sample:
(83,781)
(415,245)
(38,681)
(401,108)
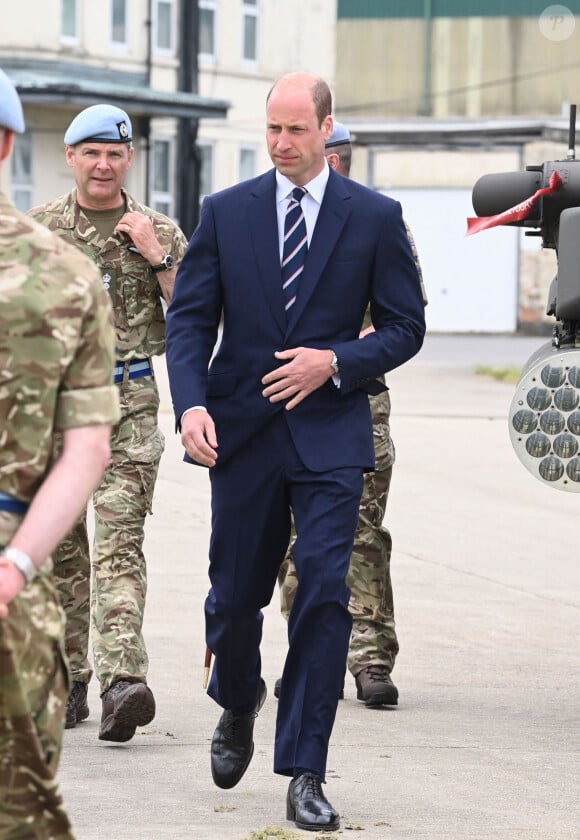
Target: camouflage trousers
(109,597)
(33,692)
(374,639)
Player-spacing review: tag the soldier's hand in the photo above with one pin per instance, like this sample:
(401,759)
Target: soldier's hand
(11,583)
(139,228)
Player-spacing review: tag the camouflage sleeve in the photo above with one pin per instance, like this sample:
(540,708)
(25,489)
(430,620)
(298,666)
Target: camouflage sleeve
(179,244)
(411,239)
(87,407)
(87,395)
(367,320)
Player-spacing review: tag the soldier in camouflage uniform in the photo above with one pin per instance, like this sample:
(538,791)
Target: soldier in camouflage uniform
(56,360)
(136,251)
(373,646)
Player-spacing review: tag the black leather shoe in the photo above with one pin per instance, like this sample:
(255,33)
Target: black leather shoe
(232,745)
(375,687)
(77,708)
(308,806)
(278,683)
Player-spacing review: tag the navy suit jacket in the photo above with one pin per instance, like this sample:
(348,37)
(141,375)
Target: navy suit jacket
(359,252)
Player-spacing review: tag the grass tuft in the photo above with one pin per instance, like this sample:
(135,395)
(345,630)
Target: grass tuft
(273,833)
(510,374)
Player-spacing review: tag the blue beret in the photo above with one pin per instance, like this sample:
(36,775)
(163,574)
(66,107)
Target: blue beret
(340,134)
(99,124)
(11,116)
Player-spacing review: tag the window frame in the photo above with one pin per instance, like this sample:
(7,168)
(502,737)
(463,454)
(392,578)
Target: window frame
(156,196)
(119,45)
(171,49)
(211,147)
(209,6)
(253,149)
(70,39)
(22,182)
(249,10)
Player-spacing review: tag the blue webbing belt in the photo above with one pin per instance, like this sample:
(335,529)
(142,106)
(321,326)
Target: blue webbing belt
(136,367)
(11,504)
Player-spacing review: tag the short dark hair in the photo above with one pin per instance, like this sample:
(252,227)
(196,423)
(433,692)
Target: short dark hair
(321,97)
(344,152)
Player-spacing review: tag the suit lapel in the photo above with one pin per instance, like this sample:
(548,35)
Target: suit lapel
(334,212)
(264,230)
(332,217)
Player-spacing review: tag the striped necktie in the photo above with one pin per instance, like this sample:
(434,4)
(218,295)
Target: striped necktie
(295,248)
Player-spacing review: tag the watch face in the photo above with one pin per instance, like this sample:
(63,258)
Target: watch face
(166,264)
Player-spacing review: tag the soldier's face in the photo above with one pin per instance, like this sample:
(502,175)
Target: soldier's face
(99,171)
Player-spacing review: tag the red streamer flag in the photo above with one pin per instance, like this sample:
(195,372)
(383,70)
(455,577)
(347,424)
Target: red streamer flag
(206,667)
(514,214)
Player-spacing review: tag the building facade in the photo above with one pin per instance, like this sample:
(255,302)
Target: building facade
(461,58)
(437,94)
(244,47)
(64,55)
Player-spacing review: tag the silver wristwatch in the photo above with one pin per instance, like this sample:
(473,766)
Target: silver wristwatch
(166,264)
(22,562)
(334,363)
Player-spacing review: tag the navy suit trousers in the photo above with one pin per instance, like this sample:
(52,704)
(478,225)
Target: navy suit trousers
(252,494)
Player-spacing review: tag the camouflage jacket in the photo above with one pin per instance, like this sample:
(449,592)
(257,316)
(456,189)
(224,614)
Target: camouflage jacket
(367,320)
(137,307)
(56,348)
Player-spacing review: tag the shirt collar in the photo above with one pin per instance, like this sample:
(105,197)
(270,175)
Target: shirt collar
(315,188)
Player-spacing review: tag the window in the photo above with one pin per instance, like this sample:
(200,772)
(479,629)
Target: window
(164,26)
(207,28)
(22,196)
(69,23)
(247,162)
(250,30)
(161,176)
(119,34)
(205,169)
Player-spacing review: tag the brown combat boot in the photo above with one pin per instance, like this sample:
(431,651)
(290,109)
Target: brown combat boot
(375,687)
(126,705)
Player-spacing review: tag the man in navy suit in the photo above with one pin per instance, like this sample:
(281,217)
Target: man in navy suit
(281,417)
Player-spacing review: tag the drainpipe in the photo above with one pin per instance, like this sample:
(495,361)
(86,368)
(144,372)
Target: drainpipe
(188,162)
(145,122)
(145,132)
(427,38)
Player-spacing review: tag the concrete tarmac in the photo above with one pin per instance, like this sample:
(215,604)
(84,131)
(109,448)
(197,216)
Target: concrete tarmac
(484,744)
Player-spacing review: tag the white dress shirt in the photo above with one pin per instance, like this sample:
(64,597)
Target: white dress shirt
(310,203)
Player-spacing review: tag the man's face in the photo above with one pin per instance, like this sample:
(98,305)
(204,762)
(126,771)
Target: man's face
(99,171)
(295,139)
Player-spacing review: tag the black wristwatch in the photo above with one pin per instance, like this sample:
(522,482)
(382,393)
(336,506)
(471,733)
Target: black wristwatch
(166,264)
